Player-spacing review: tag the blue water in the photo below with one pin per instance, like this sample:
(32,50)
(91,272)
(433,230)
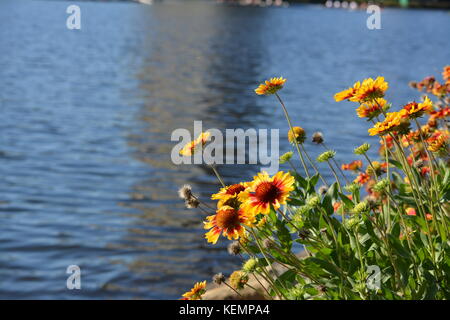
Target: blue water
(86,117)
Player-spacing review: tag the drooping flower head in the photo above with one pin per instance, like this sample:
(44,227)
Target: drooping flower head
(325,156)
(370,90)
(265,191)
(348,93)
(371,109)
(285,157)
(270,86)
(438,142)
(228,194)
(362,149)
(415,110)
(190,148)
(229,221)
(394,121)
(297,133)
(196,292)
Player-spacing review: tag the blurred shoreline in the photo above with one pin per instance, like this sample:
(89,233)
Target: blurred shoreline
(407,4)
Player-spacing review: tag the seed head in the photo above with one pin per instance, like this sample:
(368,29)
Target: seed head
(327,155)
(250,265)
(362,149)
(191,203)
(313,201)
(381,185)
(317,137)
(361,207)
(185,192)
(234,248)
(286,157)
(219,278)
(238,280)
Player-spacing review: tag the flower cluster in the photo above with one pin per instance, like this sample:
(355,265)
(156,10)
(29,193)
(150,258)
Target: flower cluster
(393,213)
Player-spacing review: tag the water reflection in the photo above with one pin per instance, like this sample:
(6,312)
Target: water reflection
(87,117)
(199,78)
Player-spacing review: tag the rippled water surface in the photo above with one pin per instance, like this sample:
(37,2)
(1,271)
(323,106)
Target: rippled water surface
(86,118)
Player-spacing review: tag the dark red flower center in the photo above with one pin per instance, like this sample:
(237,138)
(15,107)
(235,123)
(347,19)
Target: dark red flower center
(235,189)
(227,218)
(267,192)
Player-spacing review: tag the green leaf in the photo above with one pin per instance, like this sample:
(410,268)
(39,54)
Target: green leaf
(396,164)
(347,202)
(284,236)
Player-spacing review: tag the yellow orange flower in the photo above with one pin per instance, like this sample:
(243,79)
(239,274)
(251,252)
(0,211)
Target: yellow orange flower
(438,141)
(353,166)
(439,90)
(362,178)
(196,292)
(371,109)
(415,110)
(265,191)
(270,86)
(348,93)
(299,134)
(441,113)
(446,73)
(412,212)
(394,121)
(227,194)
(370,89)
(228,221)
(190,148)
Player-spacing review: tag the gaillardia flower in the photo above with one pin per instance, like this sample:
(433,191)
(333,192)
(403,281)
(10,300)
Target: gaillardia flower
(297,133)
(348,93)
(196,292)
(416,110)
(371,109)
(394,121)
(225,195)
(370,90)
(270,86)
(265,191)
(352,166)
(362,178)
(190,148)
(439,141)
(228,221)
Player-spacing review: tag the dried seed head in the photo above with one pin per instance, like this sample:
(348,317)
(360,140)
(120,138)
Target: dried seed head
(268,243)
(317,137)
(185,192)
(219,278)
(323,190)
(192,203)
(234,248)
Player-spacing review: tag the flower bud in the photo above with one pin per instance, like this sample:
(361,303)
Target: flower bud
(298,135)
